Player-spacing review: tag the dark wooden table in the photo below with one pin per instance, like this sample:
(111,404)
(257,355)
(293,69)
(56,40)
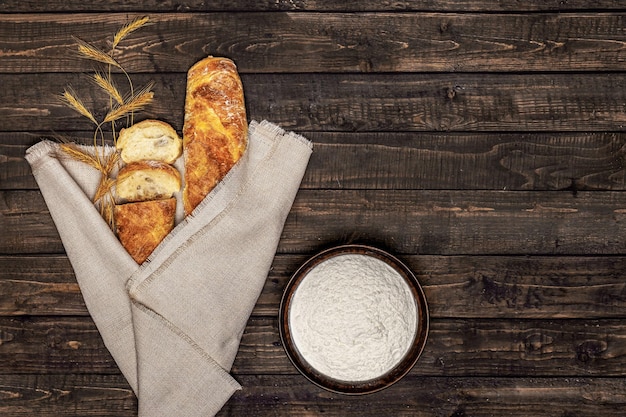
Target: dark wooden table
(483,142)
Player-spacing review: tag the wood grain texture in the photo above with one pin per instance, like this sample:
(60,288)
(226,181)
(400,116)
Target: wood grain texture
(426,397)
(400,102)
(407,222)
(326,42)
(456,347)
(43,285)
(456,222)
(422,160)
(71,395)
(482,161)
(495,287)
(466,347)
(270,395)
(77,6)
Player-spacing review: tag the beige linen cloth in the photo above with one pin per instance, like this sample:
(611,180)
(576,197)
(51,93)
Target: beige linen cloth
(174,323)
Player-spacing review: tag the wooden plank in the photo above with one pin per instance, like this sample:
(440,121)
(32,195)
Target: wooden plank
(15,172)
(53,345)
(25,222)
(75,395)
(415,396)
(455,347)
(39,285)
(325,42)
(406,222)
(469,287)
(457,222)
(400,102)
(427,397)
(479,347)
(154,6)
(499,161)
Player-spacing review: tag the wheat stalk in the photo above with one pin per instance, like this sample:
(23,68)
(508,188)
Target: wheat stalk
(103,197)
(63,138)
(104,187)
(78,154)
(71,99)
(106,163)
(111,162)
(106,207)
(128,29)
(106,84)
(135,103)
(89,51)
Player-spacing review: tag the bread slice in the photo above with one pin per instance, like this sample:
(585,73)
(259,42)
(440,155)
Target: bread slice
(215,131)
(142,226)
(149,140)
(146,180)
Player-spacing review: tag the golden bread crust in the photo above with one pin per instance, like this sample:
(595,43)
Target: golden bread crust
(142,226)
(215,129)
(147,180)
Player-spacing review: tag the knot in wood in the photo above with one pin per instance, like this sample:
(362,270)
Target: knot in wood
(590,349)
(452,91)
(495,292)
(538,343)
(6,336)
(55,337)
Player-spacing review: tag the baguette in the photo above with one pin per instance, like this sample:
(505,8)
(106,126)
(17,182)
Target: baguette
(142,226)
(147,180)
(215,127)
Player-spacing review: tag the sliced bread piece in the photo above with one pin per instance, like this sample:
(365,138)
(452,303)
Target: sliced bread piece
(142,226)
(146,180)
(149,140)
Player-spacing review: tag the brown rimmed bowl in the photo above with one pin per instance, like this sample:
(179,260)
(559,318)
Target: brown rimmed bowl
(355,387)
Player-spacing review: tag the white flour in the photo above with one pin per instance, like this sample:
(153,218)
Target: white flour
(353,317)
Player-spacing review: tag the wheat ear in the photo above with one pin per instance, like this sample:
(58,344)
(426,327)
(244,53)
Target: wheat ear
(89,51)
(106,183)
(135,103)
(81,155)
(107,209)
(71,99)
(128,29)
(106,84)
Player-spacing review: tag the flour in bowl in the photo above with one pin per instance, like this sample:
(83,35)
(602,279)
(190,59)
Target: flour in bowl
(353,317)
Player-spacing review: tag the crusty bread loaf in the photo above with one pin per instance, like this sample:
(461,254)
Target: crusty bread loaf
(215,127)
(146,180)
(214,138)
(145,185)
(142,226)
(149,140)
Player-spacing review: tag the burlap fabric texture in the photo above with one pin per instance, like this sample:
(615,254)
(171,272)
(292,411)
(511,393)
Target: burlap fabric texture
(174,324)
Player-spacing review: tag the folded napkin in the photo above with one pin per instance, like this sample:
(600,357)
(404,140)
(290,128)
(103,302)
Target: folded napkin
(174,324)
